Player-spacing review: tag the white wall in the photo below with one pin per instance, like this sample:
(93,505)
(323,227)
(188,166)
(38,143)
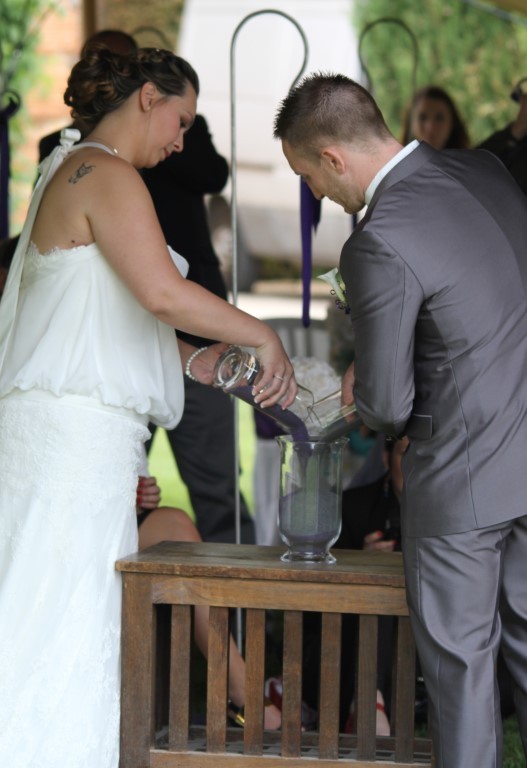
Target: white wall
(268,55)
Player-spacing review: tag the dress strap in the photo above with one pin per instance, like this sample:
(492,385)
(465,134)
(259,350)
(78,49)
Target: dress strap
(96,144)
(47,168)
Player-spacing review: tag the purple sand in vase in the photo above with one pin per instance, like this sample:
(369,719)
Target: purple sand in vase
(316,521)
(309,511)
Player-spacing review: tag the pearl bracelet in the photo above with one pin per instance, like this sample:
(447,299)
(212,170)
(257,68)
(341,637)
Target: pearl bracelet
(189,361)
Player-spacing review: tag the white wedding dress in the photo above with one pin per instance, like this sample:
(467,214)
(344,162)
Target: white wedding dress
(83,369)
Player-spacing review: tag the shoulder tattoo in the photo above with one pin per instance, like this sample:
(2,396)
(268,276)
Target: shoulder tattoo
(82,170)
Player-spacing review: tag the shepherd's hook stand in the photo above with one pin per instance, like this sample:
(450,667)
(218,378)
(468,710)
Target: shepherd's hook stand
(234,229)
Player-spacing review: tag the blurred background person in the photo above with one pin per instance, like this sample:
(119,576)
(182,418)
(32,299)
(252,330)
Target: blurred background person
(432,116)
(510,143)
(203,443)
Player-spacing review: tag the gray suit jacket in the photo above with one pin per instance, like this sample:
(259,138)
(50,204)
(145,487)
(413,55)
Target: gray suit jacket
(436,275)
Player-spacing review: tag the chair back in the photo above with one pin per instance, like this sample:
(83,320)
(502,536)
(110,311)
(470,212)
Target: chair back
(299,341)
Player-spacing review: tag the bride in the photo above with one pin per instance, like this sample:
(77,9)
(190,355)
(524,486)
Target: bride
(88,355)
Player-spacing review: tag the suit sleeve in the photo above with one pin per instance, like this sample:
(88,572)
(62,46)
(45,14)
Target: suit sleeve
(385,299)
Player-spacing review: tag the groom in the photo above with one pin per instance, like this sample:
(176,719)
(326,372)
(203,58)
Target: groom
(436,276)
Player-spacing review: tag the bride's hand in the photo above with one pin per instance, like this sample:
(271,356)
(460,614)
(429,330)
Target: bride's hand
(276,382)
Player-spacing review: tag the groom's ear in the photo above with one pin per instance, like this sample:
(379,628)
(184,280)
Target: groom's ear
(333,158)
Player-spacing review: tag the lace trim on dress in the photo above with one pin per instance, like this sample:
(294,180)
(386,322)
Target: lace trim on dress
(33,251)
(35,260)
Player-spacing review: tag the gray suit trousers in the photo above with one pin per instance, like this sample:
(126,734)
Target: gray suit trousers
(467,593)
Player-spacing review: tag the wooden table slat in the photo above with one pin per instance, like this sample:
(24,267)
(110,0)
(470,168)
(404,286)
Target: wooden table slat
(179,697)
(367,686)
(292,684)
(330,685)
(217,673)
(254,680)
(207,590)
(404,671)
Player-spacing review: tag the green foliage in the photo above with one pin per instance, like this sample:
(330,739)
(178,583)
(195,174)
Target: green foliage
(20,22)
(476,56)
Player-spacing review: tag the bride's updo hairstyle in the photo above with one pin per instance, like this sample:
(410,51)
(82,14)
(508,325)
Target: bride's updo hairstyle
(103,80)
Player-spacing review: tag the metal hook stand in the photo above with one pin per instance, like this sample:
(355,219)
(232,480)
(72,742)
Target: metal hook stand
(233,129)
(234,230)
(234,203)
(389,20)
(6,113)
(9,105)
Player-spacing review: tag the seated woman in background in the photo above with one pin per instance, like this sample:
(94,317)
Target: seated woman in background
(158,524)
(432,116)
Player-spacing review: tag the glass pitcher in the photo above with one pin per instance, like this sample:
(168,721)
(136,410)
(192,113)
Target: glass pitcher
(306,419)
(329,419)
(310,499)
(235,372)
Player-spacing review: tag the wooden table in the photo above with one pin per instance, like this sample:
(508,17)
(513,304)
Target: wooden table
(226,576)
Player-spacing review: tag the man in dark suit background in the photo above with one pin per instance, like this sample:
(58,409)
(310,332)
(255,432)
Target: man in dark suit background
(510,143)
(203,442)
(436,276)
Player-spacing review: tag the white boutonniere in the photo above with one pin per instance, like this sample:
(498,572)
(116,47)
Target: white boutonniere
(338,289)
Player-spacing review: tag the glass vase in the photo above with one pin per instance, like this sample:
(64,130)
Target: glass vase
(310,499)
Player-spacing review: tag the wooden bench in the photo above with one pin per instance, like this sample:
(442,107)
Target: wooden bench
(181,575)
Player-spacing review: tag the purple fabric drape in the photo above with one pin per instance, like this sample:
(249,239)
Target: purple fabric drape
(5,114)
(309,219)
